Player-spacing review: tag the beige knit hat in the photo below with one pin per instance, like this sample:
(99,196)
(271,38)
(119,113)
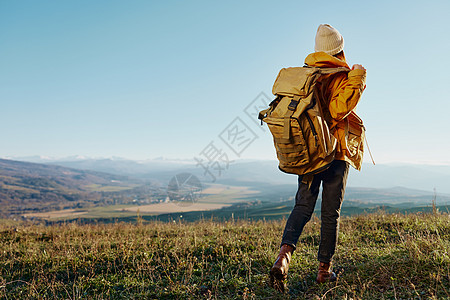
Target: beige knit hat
(328,40)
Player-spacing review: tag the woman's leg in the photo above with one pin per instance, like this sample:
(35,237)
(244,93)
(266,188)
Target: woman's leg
(334,180)
(305,201)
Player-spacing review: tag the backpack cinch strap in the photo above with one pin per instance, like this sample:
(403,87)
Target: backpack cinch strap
(262,114)
(287,117)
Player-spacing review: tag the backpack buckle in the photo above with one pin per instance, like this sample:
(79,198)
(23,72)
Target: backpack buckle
(293,105)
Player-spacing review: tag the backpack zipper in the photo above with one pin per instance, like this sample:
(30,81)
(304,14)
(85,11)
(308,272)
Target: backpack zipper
(313,129)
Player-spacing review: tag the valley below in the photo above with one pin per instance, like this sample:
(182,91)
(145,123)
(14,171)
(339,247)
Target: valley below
(58,193)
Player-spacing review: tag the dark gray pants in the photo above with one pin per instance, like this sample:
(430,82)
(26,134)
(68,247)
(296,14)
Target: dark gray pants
(333,182)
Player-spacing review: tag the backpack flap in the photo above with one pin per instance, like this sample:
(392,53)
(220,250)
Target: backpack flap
(295,81)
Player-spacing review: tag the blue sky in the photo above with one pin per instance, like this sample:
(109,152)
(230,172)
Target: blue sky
(144,79)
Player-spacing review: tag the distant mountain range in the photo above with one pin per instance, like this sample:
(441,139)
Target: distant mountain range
(412,176)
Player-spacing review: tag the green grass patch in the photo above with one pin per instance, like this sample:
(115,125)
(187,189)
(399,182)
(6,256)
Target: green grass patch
(108,188)
(110,211)
(379,256)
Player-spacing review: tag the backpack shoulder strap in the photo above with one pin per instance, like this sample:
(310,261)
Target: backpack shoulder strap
(325,71)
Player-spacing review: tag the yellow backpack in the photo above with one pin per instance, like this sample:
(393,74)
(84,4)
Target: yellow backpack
(302,138)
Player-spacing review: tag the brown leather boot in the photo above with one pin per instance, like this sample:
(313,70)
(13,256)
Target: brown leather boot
(325,274)
(279,271)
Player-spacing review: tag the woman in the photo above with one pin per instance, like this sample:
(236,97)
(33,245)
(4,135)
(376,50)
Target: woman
(339,94)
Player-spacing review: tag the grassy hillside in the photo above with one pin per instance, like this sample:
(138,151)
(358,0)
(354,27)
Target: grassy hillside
(29,187)
(380,256)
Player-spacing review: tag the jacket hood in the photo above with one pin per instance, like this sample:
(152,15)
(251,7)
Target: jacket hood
(323,60)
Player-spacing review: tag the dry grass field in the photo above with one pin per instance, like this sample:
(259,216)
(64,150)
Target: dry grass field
(379,256)
(170,207)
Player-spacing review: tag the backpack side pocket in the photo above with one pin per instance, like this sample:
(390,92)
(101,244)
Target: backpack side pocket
(291,152)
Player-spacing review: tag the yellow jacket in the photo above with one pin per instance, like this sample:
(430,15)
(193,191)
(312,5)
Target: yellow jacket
(341,93)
